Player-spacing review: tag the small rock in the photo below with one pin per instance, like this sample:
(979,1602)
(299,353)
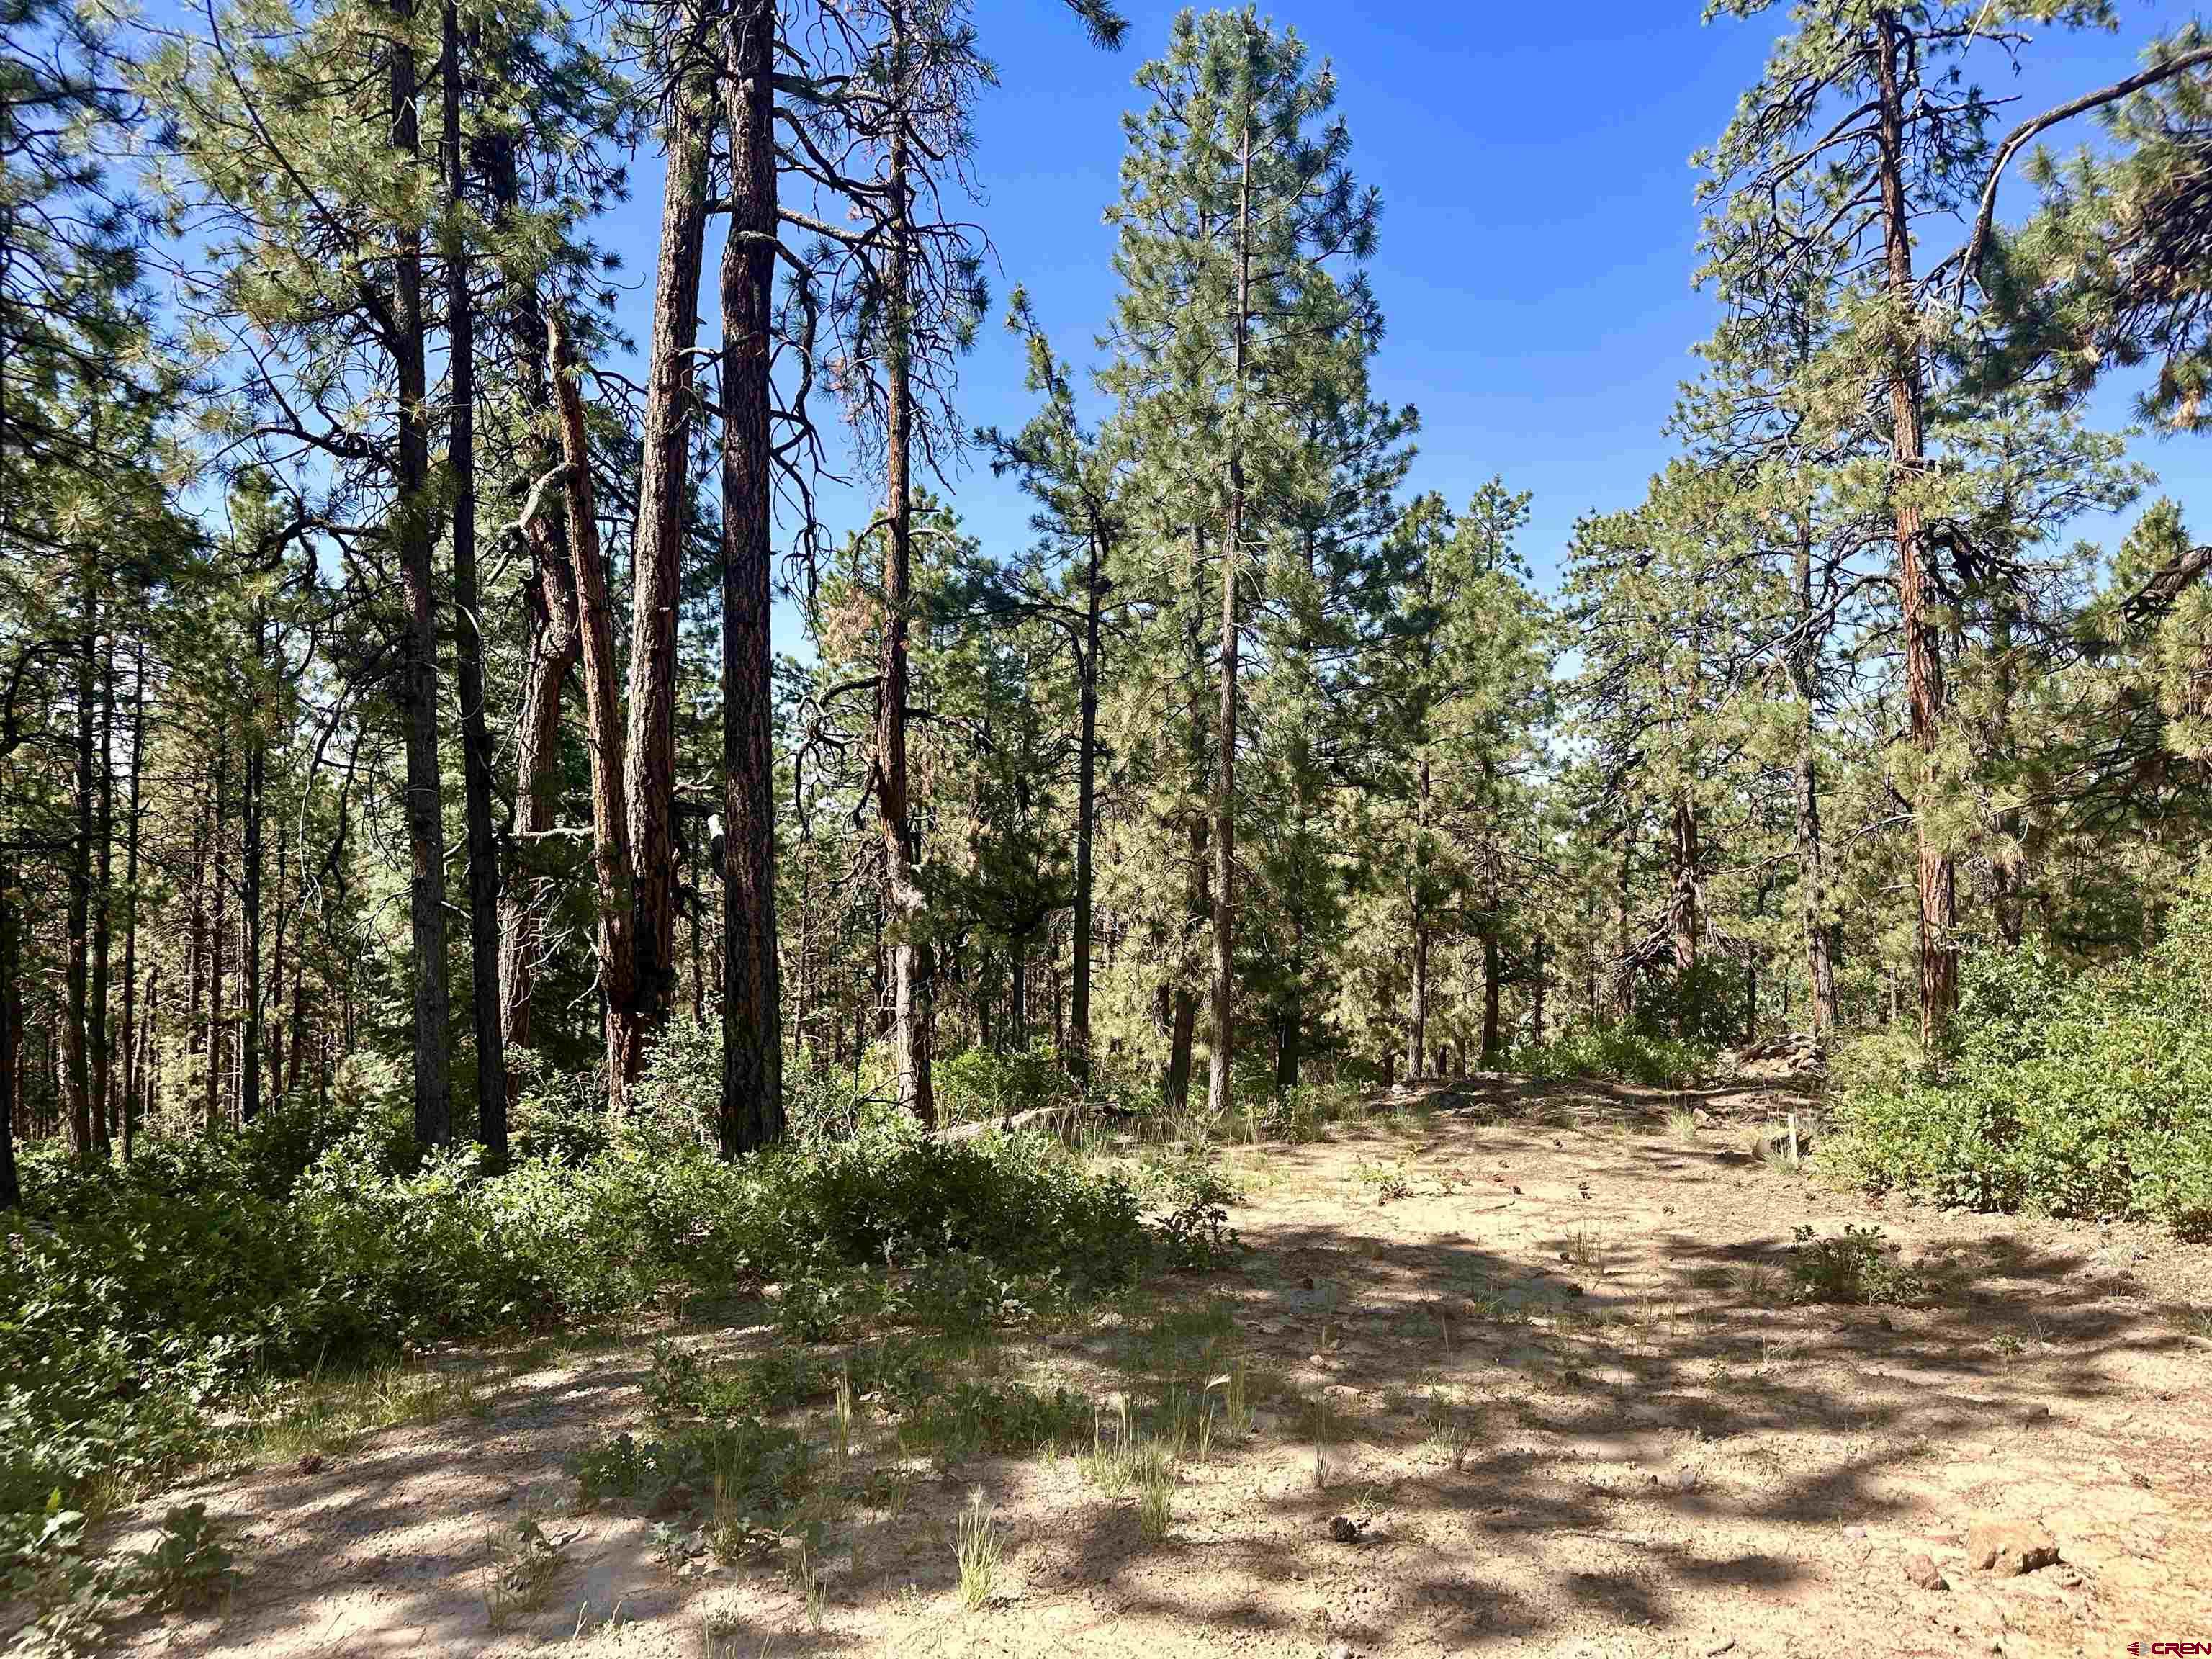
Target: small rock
(1337,1650)
(311,1464)
(1887,1322)
(1344,1529)
(1516,1189)
(2010,1549)
(1921,1572)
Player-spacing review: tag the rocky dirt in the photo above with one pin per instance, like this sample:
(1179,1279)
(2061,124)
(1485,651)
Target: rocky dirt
(1566,1406)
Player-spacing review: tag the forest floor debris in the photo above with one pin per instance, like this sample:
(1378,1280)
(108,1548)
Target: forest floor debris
(1567,1374)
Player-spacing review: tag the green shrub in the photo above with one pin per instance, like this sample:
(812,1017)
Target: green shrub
(977,1085)
(133,1300)
(2072,1093)
(1855,1268)
(758,1468)
(1627,1054)
(972,1417)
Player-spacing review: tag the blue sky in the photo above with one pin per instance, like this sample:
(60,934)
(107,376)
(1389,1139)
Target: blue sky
(1538,222)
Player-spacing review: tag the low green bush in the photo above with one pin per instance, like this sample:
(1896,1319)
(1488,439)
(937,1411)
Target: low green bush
(131,1301)
(1856,1266)
(2084,1093)
(979,1085)
(739,1461)
(1625,1053)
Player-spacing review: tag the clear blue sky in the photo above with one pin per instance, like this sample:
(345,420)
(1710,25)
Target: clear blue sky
(1538,221)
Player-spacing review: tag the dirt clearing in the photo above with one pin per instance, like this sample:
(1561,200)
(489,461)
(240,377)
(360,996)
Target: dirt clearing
(1514,1368)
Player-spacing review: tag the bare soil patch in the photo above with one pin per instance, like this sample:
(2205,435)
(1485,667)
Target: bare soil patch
(1544,1341)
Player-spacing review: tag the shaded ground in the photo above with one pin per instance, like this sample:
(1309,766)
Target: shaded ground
(1545,1346)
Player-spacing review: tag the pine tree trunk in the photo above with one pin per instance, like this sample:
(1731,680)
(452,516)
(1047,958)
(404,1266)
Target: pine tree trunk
(468,623)
(218,887)
(273,1018)
(133,1073)
(1683,905)
(11,1040)
(425,815)
(1492,978)
(1417,1026)
(1936,880)
(1811,868)
(553,647)
(196,943)
(603,733)
(1417,898)
(295,1027)
(2009,874)
(910,1018)
(1222,1052)
(149,1052)
(1086,791)
(662,500)
(1197,870)
(77,1087)
(249,1064)
(1624,989)
(1537,996)
(101,1050)
(752,1035)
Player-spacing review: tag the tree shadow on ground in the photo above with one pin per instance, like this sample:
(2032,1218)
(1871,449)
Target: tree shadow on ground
(1564,1385)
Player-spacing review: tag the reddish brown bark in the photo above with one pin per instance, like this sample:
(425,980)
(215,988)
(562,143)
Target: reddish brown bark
(752,1046)
(1936,880)
(603,733)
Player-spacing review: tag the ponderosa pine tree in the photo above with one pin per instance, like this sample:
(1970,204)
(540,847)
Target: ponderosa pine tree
(1864,108)
(1237,203)
(1074,476)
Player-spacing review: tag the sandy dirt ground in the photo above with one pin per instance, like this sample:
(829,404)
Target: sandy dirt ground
(1565,1403)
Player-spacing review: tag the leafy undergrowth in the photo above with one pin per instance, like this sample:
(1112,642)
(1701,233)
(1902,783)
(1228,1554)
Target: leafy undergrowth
(142,1308)
(1624,1054)
(2077,1093)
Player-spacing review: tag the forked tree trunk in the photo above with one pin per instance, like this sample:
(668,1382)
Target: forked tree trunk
(603,734)
(662,500)
(554,644)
